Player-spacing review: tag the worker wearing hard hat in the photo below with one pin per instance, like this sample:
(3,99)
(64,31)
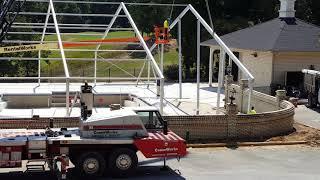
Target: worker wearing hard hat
(166,29)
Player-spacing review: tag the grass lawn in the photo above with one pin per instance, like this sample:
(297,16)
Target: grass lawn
(85,68)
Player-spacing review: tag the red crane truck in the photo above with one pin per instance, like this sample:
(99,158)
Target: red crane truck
(102,143)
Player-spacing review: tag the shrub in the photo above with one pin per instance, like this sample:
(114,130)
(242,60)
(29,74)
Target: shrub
(171,72)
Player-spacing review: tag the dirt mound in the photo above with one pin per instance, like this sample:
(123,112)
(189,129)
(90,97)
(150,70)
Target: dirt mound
(302,133)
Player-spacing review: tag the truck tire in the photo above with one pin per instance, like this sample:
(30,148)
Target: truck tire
(91,164)
(123,162)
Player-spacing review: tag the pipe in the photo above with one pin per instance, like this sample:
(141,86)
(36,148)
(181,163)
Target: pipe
(42,39)
(109,3)
(198,66)
(180,59)
(220,78)
(65,65)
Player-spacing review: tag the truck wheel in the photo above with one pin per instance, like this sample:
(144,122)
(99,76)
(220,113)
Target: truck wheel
(123,162)
(90,164)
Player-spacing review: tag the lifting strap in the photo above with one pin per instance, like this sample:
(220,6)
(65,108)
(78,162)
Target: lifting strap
(173,1)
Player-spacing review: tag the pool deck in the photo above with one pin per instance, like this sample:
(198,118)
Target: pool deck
(173,105)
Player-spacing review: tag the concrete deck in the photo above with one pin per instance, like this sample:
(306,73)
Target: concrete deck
(172,104)
(307,117)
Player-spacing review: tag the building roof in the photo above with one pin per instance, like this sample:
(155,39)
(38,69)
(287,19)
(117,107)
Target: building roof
(281,35)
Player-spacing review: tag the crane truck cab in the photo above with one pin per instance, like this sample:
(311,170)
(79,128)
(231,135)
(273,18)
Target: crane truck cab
(103,143)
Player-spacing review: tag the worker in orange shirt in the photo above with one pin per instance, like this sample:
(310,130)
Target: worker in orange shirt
(157,33)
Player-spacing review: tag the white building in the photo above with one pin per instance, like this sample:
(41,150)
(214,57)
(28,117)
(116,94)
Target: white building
(276,51)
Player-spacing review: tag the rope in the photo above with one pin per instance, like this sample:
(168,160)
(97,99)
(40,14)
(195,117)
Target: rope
(171,9)
(209,13)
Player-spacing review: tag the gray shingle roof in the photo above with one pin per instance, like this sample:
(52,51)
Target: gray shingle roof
(274,35)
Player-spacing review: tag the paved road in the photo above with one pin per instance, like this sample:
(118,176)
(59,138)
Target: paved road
(263,163)
(307,117)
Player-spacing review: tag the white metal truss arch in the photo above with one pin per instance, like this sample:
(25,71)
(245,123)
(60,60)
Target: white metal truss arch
(150,62)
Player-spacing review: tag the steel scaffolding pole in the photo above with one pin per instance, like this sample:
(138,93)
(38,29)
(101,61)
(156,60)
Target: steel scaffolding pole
(210,67)
(220,77)
(161,95)
(225,48)
(144,45)
(15,41)
(103,37)
(67,75)
(162,56)
(149,63)
(180,59)
(159,53)
(67,96)
(75,78)
(66,14)
(95,67)
(65,65)
(140,73)
(42,39)
(69,28)
(198,66)
(69,59)
(109,3)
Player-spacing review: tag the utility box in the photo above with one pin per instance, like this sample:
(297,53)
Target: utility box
(86,97)
(312,87)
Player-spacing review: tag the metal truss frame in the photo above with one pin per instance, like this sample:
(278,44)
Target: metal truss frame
(149,61)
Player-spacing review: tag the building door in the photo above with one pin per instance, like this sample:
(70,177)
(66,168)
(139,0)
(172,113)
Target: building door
(295,79)
(234,67)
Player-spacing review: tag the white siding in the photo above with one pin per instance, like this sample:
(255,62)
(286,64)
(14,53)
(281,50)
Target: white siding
(260,66)
(294,61)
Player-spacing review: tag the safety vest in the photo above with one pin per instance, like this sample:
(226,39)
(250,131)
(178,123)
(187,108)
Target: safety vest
(252,112)
(166,24)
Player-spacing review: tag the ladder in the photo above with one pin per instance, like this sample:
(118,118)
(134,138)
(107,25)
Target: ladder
(6,20)
(36,165)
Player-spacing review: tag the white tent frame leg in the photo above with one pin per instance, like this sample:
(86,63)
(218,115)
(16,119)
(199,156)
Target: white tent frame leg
(223,47)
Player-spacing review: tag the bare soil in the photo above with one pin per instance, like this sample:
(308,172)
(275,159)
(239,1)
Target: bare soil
(302,133)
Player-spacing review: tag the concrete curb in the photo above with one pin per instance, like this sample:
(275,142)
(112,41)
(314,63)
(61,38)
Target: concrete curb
(244,144)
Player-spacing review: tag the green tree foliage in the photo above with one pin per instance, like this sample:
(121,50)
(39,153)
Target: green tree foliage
(228,16)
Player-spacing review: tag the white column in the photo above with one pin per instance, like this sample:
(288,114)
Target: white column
(198,67)
(220,77)
(210,67)
(180,59)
